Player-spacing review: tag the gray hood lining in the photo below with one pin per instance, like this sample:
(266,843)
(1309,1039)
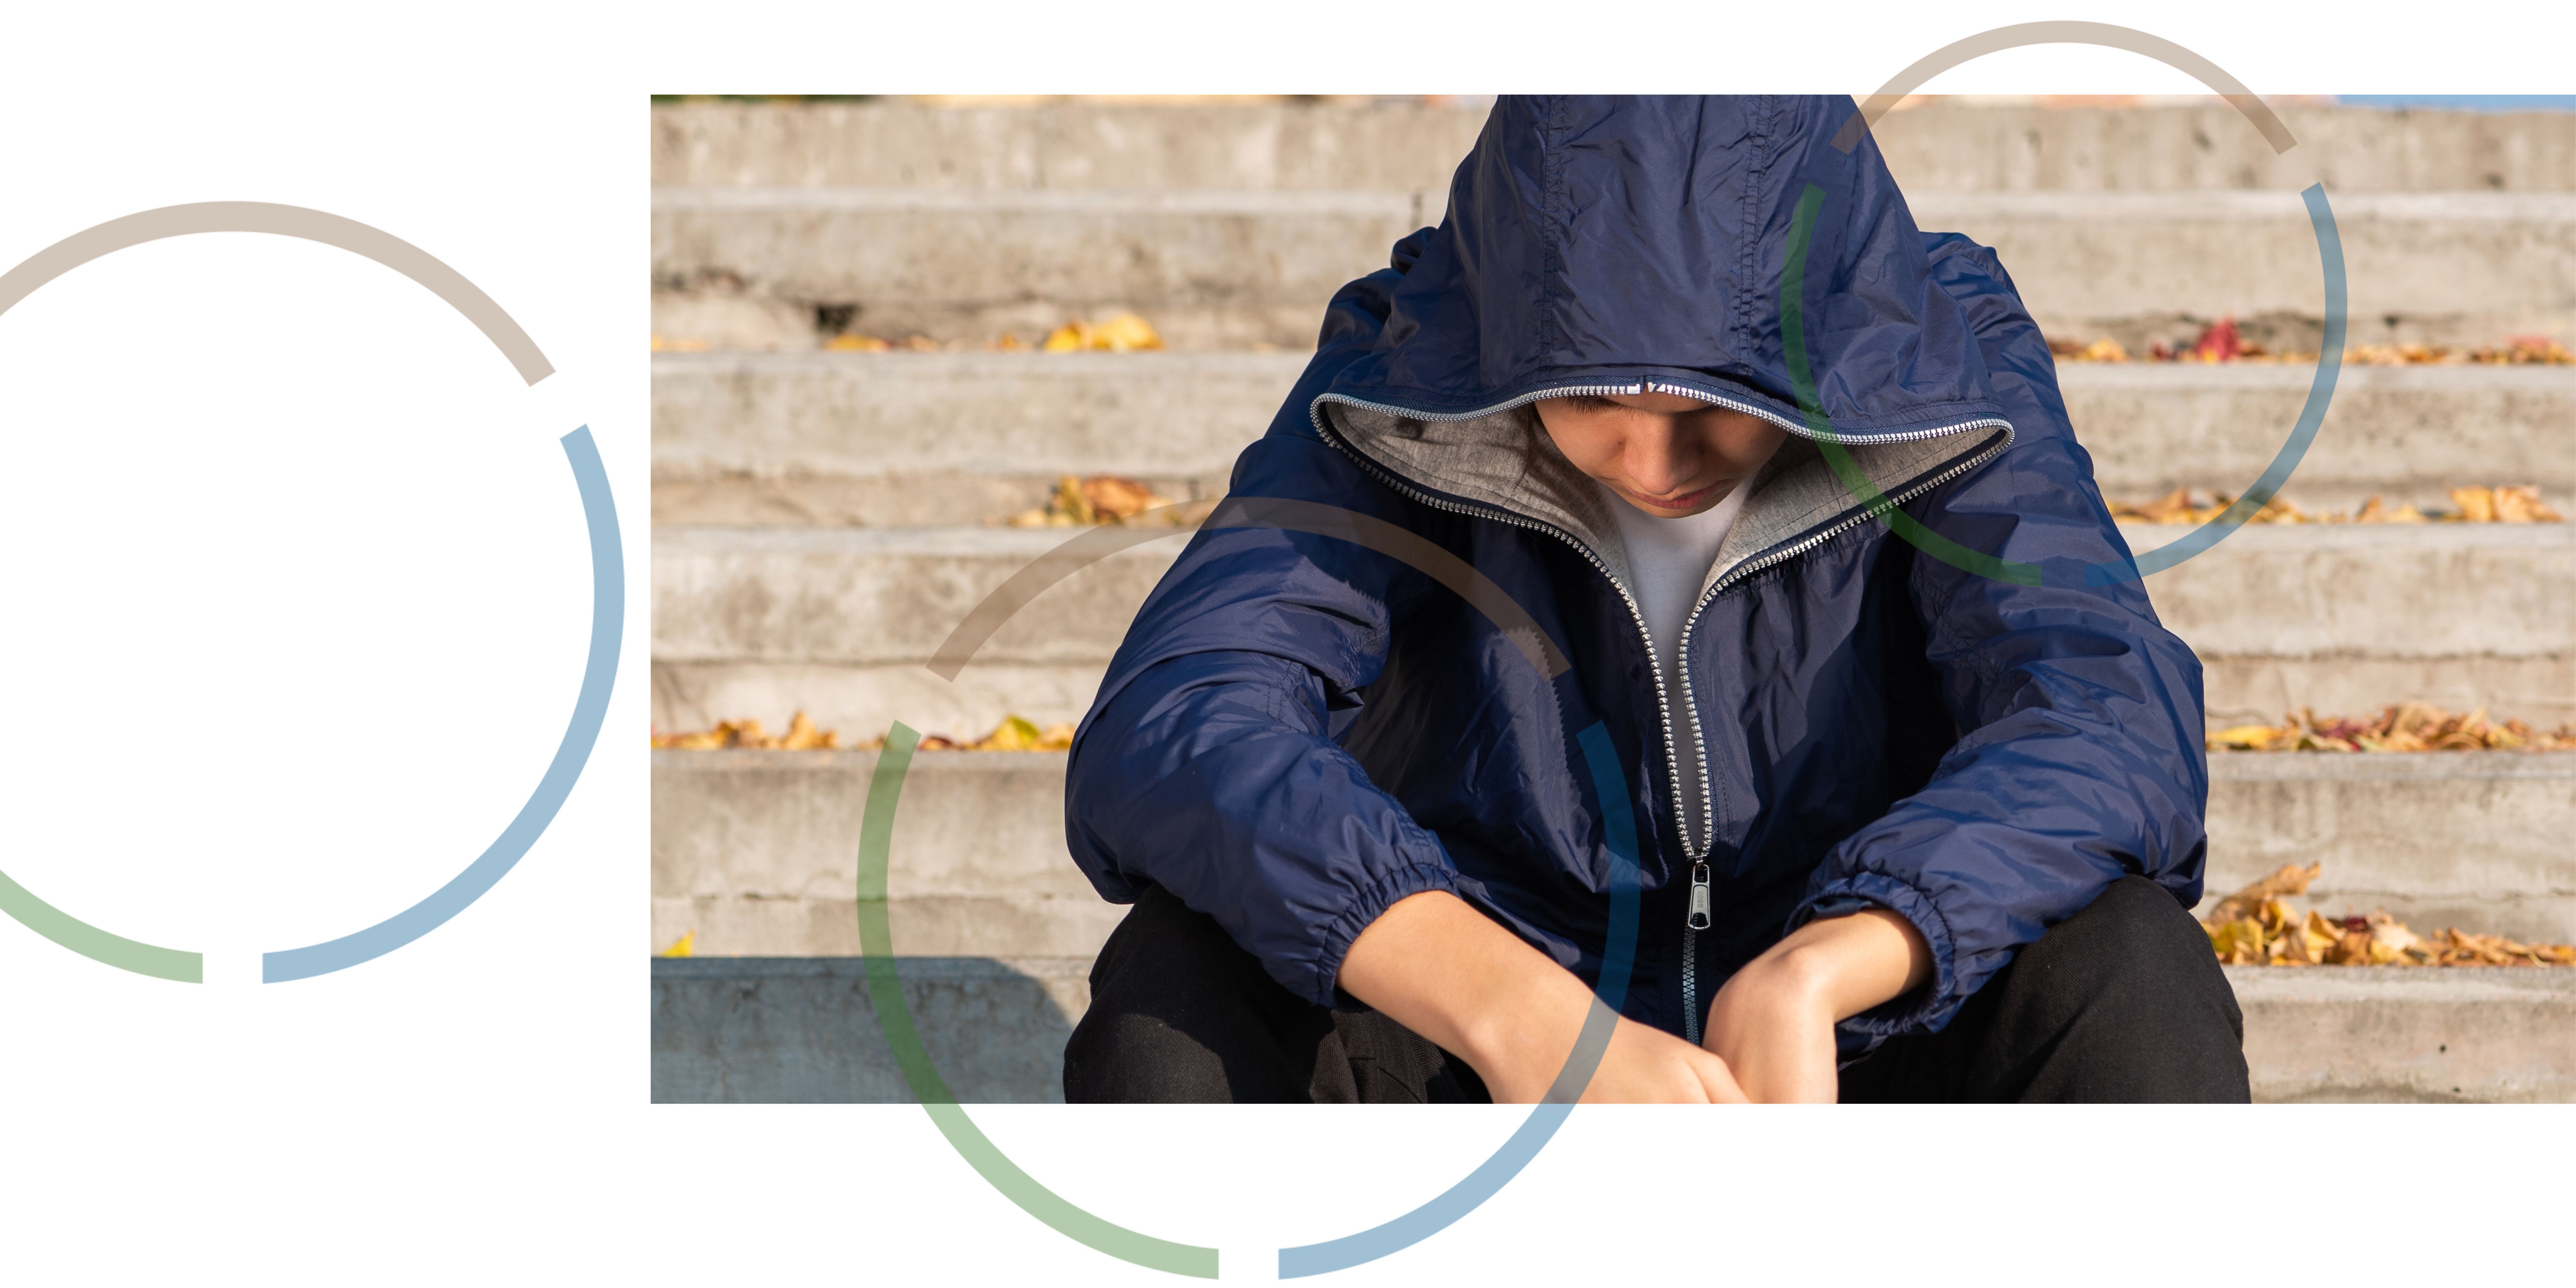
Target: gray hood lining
(1506,460)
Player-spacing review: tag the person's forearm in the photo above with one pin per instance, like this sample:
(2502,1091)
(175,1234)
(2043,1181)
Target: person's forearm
(1446,971)
(1773,1023)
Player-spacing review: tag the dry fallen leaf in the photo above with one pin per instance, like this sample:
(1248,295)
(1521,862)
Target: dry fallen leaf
(1015,733)
(1125,333)
(2409,726)
(2522,505)
(2178,506)
(2290,879)
(748,735)
(1105,498)
(2254,927)
(2503,504)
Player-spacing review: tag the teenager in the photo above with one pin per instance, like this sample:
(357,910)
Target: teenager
(1907,830)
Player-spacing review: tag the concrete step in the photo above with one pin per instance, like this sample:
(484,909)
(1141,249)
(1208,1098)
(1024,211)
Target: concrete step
(2476,840)
(921,439)
(2388,1034)
(756,851)
(801,1030)
(1225,147)
(749,267)
(2341,618)
(2345,618)
(2407,434)
(2459,268)
(1965,148)
(1940,146)
(902,439)
(1210,269)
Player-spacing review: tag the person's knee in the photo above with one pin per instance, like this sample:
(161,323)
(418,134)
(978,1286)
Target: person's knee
(1180,1013)
(2134,935)
(1129,1057)
(2123,1001)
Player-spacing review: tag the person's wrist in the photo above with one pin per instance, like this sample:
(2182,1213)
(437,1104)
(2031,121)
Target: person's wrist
(1779,990)
(1521,1040)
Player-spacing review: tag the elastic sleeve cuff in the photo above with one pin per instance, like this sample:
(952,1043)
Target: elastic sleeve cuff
(1925,1009)
(1403,883)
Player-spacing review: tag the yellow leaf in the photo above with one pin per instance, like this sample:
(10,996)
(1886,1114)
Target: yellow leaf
(2237,941)
(2245,737)
(687,944)
(803,736)
(1125,333)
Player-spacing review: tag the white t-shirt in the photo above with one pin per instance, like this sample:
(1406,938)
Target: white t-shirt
(1668,562)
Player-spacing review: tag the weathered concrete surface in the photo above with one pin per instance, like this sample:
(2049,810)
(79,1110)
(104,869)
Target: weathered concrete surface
(907,439)
(1975,148)
(2407,434)
(1217,269)
(880,595)
(2376,590)
(2441,268)
(1079,145)
(1955,147)
(2376,1034)
(801,1030)
(755,851)
(2251,690)
(1210,269)
(2477,840)
(771,1030)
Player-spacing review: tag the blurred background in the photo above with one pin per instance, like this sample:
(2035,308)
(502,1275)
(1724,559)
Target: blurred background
(902,344)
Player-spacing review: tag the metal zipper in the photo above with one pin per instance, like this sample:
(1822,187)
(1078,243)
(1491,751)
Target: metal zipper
(1698,917)
(1696,920)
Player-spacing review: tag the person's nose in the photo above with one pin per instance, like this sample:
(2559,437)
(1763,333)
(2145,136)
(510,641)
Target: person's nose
(1658,464)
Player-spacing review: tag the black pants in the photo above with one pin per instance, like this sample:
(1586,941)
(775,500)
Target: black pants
(2121,1002)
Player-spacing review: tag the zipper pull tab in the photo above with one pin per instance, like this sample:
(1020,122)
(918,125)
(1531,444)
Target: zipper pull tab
(1699,897)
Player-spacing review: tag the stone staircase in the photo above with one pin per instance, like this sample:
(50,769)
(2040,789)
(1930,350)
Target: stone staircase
(823,518)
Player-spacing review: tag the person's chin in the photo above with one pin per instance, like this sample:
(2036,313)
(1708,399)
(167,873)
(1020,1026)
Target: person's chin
(1684,506)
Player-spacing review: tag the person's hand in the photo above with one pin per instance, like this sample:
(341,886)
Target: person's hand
(1646,1066)
(1773,1023)
(1446,971)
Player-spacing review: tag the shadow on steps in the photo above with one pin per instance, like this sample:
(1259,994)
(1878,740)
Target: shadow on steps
(801,1030)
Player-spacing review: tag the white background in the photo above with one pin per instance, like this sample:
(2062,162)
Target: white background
(293,607)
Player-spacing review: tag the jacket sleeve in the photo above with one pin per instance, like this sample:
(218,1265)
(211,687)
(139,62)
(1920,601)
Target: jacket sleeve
(1209,765)
(2080,752)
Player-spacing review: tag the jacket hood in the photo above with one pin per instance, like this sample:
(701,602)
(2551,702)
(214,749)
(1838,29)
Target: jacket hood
(1620,244)
(1628,241)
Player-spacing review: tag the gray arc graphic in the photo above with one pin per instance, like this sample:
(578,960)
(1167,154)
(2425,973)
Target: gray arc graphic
(608,585)
(283,221)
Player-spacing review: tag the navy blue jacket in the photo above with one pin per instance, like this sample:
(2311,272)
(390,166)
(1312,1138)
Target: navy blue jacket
(1299,731)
